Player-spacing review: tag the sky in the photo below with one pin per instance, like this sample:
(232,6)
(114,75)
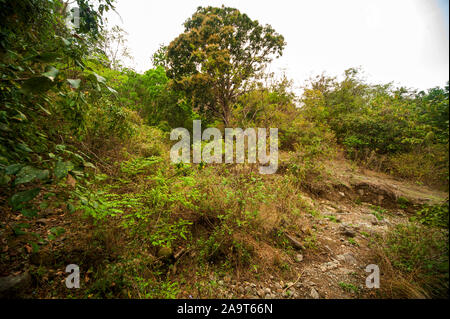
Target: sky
(401,41)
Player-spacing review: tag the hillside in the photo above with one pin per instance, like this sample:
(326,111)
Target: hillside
(87,177)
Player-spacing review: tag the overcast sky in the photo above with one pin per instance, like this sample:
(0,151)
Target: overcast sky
(404,41)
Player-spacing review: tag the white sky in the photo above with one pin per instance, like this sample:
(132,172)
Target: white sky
(405,41)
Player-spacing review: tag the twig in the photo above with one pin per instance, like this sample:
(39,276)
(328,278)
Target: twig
(284,290)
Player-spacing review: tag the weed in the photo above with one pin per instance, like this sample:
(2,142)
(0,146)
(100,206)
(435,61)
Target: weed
(349,287)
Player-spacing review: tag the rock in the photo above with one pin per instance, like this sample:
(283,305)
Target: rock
(342,194)
(298,258)
(267,291)
(165,252)
(220,282)
(314,294)
(373,220)
(329,265)
(261,293)
(348,258)
(347,230)
(11,286)
(278,286)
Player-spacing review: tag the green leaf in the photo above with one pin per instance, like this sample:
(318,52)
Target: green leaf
(28,173)
(24,196)
(19,116)
(18,228)
(34,246)
(70,208)
(60,147)
(99,78)
(62,168)
(52,73)
(5,127)
(4,179)
(13,169)
(89,164)
(75,83)
(44,109)
(24,147)
(111,90)
(29,212)
(57,231)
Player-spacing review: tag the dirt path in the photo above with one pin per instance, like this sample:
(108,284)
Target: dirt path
(364,204)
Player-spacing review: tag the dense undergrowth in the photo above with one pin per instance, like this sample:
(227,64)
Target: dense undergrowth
(92,142)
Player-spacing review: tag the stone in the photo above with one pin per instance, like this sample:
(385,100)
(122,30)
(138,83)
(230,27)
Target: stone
(348,258)
(267,291)
(314,294)
(373,220)
(261,293)
(299,258)
(11,286)
(329,265)
(347,230)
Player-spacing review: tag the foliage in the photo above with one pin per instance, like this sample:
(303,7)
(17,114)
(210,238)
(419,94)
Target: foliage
(219,52)
(436,215)
(421,255)
(395,129)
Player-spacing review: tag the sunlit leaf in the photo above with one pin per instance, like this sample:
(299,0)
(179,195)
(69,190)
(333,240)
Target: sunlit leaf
(75,83)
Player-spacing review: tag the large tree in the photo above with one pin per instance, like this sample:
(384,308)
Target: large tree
(216,57)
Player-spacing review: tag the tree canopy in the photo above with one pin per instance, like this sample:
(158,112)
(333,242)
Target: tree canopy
(217,55)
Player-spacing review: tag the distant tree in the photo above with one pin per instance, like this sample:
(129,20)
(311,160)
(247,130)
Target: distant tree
(218,55)
(114,44)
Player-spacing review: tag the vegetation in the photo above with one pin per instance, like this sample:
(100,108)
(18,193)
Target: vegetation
(86,177)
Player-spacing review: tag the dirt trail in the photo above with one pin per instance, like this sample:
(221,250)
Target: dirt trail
(360,205)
